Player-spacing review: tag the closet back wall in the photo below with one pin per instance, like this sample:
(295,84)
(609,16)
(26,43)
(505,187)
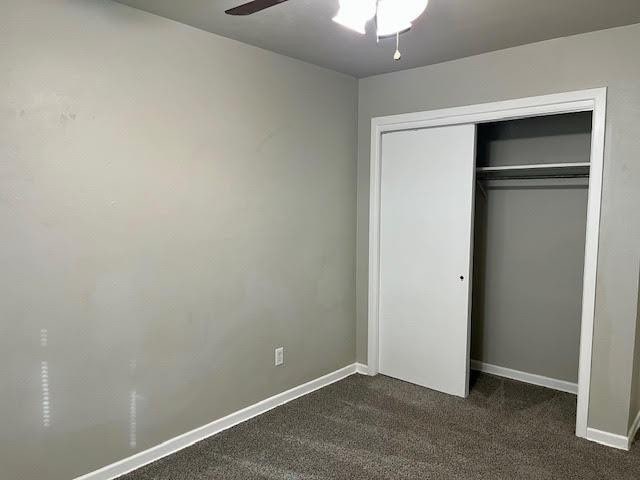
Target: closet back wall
(529,249)
(528,263)
(173,206)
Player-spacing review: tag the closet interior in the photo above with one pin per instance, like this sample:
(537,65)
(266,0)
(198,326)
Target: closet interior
(532,179)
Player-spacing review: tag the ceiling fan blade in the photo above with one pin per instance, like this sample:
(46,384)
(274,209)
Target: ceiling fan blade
(253,7)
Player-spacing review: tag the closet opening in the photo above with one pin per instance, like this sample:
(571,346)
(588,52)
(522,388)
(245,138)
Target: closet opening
(530,221)
(483,244)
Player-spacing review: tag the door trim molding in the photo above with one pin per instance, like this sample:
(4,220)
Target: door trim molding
(593,100)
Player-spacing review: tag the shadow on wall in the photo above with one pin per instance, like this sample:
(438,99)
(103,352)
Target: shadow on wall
(479,267)
(636,368)
(634,404)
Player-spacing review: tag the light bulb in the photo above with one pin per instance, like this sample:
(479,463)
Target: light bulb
(354,14)
(396,15)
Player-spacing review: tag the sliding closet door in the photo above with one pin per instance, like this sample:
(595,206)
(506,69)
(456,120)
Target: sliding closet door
(426,230)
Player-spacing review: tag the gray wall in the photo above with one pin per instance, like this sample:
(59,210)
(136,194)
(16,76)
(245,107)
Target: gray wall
(173,206)
(605,58)
(529,249)
(528,263)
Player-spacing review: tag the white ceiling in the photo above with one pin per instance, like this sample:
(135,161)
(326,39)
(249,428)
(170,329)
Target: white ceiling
(449,29)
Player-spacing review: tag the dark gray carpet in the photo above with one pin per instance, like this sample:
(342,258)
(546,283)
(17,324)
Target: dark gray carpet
(382,428)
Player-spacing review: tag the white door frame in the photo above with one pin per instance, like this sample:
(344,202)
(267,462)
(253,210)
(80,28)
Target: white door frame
(593,100)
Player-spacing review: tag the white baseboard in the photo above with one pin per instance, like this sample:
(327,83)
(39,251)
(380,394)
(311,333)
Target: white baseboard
(633,431)
(182,441)
(362,369)
(609,439)
(539,380)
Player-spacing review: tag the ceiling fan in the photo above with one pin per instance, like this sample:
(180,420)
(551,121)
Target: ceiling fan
(392,17)
(253,7)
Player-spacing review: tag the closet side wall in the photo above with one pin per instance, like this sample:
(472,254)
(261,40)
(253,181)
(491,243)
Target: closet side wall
(529,249)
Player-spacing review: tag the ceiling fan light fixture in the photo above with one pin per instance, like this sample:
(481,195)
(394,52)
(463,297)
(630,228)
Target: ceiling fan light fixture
(395,16)
(354,14)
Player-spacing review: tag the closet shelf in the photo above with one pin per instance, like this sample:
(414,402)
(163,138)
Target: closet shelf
(539,170)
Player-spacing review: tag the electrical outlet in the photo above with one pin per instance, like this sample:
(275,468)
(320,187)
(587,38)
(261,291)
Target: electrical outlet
(279,356)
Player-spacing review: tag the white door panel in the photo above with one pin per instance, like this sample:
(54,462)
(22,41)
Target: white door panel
(426,227)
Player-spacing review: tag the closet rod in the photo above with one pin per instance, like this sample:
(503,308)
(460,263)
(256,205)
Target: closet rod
(536,166)
(534,177)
